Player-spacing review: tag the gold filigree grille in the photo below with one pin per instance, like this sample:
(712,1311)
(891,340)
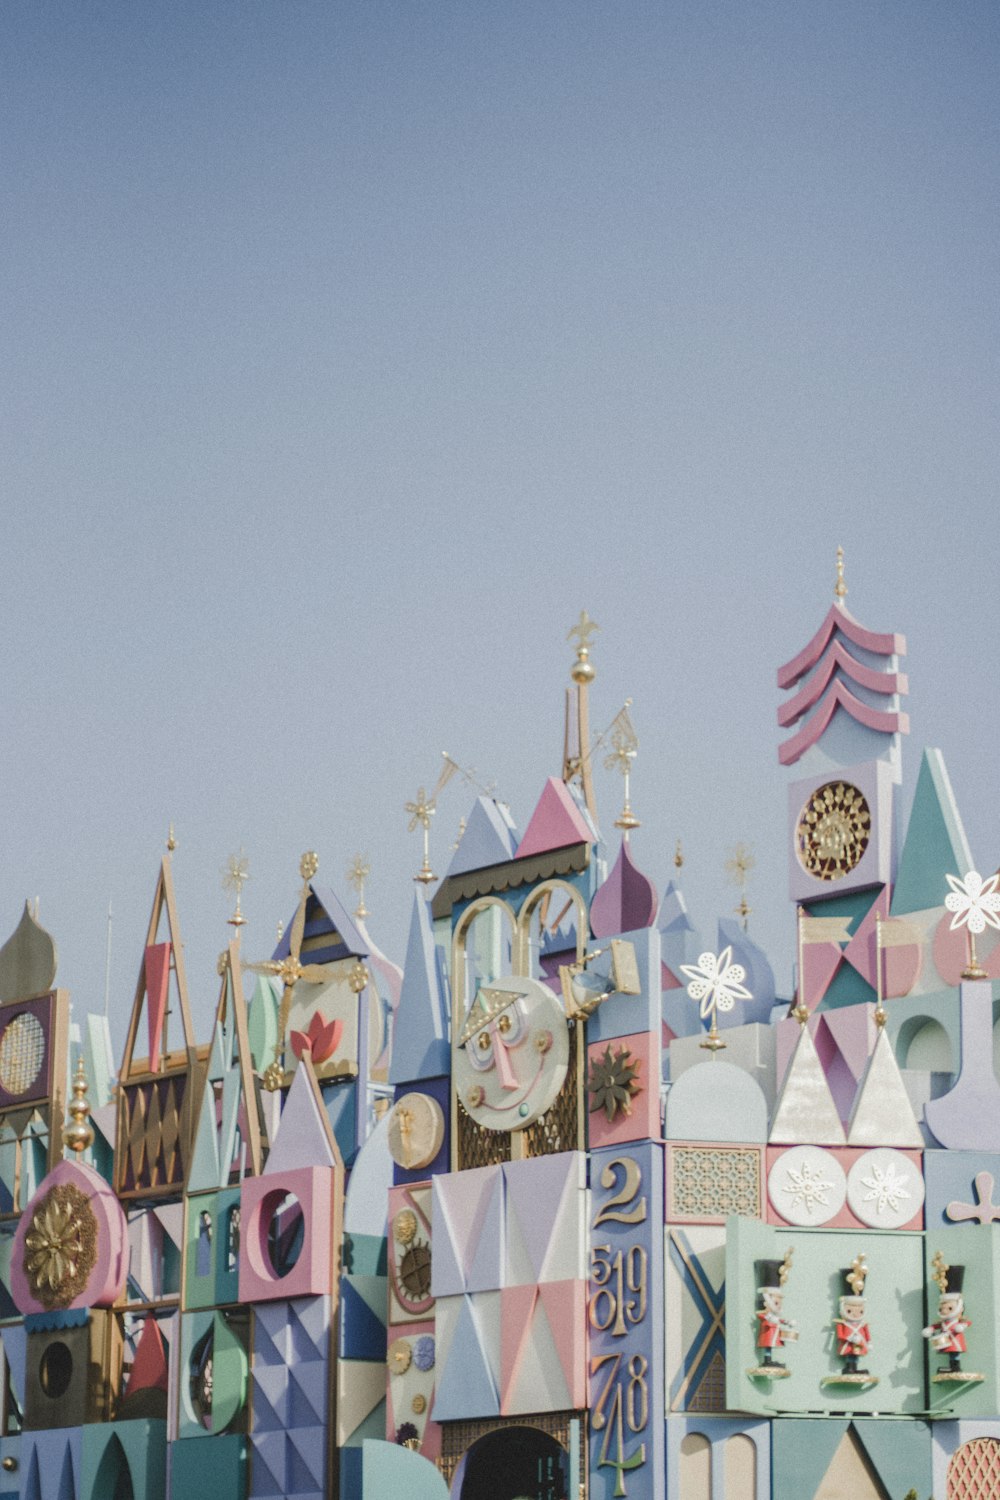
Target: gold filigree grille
(60,1248)
(458,1437)
(22,1052)
(710,1394)
(707,1183)
(974,1471)
(833,831)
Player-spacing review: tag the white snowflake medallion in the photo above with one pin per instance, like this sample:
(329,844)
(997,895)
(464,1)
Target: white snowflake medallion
(974,901)
(807,1185)
(884,1190)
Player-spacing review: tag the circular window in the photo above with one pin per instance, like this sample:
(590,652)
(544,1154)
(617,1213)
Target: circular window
(284,1230)
(833,831)
(22,1052)
(55,1371)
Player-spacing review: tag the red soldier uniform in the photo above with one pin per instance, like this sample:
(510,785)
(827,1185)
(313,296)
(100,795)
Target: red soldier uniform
(855,1339)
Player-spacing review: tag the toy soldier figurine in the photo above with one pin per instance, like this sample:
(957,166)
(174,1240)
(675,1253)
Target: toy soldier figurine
(774,1330)
(947,1335)
(853,1335)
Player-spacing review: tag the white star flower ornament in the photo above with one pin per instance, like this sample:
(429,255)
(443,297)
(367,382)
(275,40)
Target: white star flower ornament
(716,983)
(974,901)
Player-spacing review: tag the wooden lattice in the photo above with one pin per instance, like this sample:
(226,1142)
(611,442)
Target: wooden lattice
(974,1471)
(152,1136)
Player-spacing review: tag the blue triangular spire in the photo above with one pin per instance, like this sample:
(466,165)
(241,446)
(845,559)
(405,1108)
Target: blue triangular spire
(420,1039)
(490,838)
(935,844)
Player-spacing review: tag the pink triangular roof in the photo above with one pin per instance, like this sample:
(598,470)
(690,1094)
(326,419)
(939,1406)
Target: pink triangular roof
(840,696)
(149,1368)
(838,620)
(813,690)
(555,822)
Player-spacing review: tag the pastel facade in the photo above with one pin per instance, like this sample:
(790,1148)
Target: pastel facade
(568,1207)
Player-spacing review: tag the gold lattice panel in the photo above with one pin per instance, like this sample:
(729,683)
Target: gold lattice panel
(151,1136)
(974,1471)
(705,1184)
(710,1394)
(458,1437)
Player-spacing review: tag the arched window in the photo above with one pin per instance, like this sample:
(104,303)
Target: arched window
(696,1467)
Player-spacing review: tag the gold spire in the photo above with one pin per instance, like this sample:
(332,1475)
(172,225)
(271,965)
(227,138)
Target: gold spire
(235,874)
(678,857)
(171,840)
(358,872)
(78,1133)
(738,868)
(840,587)
(576,738)
(421,811)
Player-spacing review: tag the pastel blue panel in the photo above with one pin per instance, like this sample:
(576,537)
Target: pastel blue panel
(968,1179)
(420,1046)
(362,1328)
(715,1101)
(340,1102)
(626,1368)
(390,1471)
(465,1385)
(624,1015)
(489,838)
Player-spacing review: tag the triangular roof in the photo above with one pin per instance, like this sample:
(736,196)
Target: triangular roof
(304,1136)
(330,931)
(158,959)
(805,1113)
(490,838)
(882,1113)
(555,823)
(420,1037)
(935,844)
(230,1063)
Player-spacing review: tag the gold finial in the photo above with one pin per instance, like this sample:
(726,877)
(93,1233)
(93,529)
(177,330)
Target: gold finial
(421,811)
(786,1266)
(738,868)
(309,864)
(462,825)
(582,671)
(941,1269)
(358,872)
(856,1275)
(78,1133)
(840,587)
(235,874)
(678,857)
(171,840)
(625,747)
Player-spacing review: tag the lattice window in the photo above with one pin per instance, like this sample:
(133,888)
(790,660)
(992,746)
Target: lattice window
(711,1392)
(151,1136)
(974,1471)
(708,1183)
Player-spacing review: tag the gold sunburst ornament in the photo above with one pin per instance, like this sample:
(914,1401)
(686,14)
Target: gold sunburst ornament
(833,831)
(60,1248)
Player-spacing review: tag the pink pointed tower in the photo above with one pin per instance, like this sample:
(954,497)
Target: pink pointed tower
(846,725)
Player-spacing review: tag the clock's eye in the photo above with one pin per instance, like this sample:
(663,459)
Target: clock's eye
(512,1025)
(479,1050)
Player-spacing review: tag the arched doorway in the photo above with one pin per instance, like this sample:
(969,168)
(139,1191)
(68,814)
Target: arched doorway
(513,1463)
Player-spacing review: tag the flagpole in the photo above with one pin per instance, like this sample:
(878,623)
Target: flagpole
(801,1011)
(879,1007)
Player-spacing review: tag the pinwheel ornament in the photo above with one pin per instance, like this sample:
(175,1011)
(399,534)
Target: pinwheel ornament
(975,905)
(716,983)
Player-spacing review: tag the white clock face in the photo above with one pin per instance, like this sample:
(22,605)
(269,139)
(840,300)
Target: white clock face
(510,1059)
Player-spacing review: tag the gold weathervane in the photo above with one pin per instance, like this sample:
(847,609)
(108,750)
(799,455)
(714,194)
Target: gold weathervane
(738,868)
(357,873)
(235,874)
(625,748)
(421,810)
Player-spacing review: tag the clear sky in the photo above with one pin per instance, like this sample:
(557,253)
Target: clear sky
(350,348)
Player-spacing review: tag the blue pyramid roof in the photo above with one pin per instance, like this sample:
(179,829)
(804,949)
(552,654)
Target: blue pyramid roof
(420,1038)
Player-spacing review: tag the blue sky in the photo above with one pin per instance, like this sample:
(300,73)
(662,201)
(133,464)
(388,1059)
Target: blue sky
(350,349)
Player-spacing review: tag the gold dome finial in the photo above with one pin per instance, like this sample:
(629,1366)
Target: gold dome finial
(78,1133)
(235,874)
(582,669)
(358,872)
(840,587)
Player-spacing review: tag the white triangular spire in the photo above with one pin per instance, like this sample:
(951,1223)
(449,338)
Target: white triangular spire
(882,1113)
(805,1113)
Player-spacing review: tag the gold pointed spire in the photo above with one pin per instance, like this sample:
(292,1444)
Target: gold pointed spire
(840,587)
(78,1133)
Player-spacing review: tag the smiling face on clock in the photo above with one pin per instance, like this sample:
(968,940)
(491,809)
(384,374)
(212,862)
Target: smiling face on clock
(511,1056)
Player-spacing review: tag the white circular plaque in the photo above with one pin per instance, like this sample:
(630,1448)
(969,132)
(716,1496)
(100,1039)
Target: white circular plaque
(807,1185)
(885,1188)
